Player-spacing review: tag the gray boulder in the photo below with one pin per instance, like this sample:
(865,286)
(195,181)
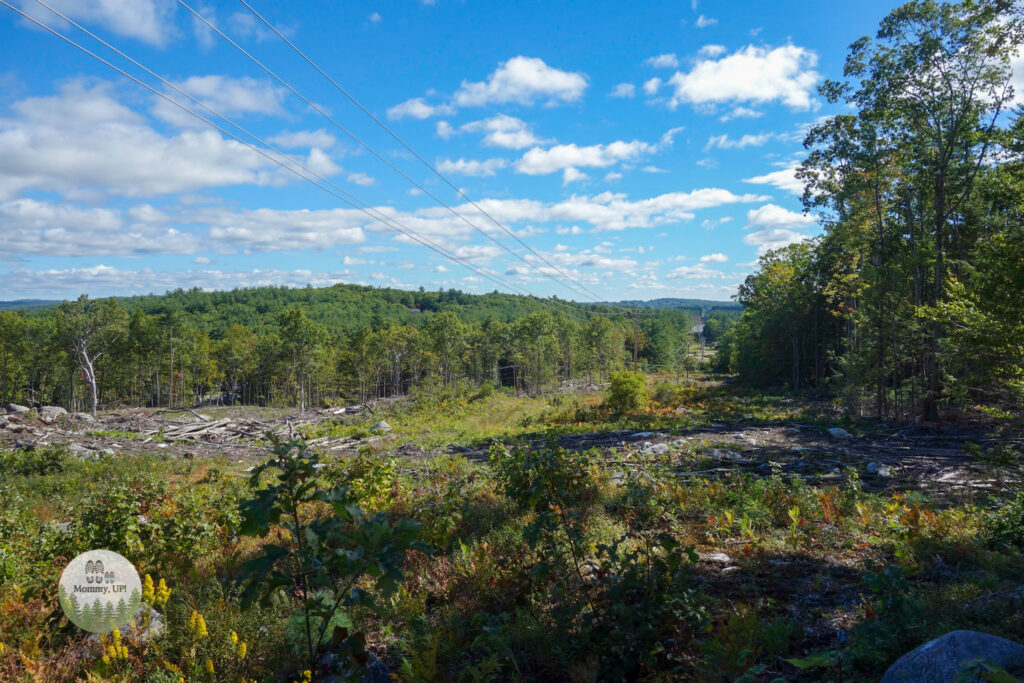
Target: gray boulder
(14,409)
(381,426)
(83,417)
(717,558)
(839,433)
(144,626)
(51,413)
(878,469)
(376,670)
(719,454)
(941,660)
(83,453)
(654,448)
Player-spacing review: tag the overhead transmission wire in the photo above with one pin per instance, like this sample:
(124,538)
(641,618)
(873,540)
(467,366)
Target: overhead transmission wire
(354,201)
(413,152)
(381,157)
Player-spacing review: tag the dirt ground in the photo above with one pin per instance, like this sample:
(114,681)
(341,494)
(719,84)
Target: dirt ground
(936,460)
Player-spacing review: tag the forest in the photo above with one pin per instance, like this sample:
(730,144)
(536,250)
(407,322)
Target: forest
(279,346)
(908,305)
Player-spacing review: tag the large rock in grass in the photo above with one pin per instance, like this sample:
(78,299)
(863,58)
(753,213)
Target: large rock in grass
(953,656)
(382,427)
(14,409)
(335,670)
(50,414)
(839,433)
(146,625)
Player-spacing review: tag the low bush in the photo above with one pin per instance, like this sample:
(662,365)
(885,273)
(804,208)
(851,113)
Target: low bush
(627,393)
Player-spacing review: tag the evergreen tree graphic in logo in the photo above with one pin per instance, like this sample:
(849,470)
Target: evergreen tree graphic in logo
(100,591)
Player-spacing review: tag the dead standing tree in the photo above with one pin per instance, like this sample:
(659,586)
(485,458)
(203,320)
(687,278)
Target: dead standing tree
(89,329)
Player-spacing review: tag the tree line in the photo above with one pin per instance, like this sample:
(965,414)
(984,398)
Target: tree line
(909,304)
(300,347)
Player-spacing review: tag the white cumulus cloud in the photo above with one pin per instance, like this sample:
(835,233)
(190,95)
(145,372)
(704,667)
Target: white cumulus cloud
(714,258)
(774,216)
(83,142)
(725,142)
(624,90)
(753,74)
(784,179)
(665,61)
(502,130)
(523,80)
(471,167)
(417,108)
(231,97)
(539,161)
(151,21)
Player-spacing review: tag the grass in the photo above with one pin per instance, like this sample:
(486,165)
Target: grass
(118,434)
(547,564)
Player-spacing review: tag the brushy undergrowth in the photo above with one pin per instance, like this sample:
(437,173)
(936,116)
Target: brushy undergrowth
(541,563)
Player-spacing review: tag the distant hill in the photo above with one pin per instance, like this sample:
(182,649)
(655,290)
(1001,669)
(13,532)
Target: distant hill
(703,305)
(26,304)
(360,305)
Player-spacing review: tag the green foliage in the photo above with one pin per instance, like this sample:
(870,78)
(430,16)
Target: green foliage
(372,481)
(543,478)
(1006,525)
(33,461)
(627,393)
(329,546)
(647,608)
(148,520)
(670,395)
(905,306)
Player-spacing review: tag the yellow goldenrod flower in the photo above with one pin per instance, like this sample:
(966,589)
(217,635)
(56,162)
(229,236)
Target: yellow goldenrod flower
(163,593)
(234,638)
(307,676)
(148,593)
(242,650)
(106,660)
(1,649)
(201,631)
(192,621)
(209,667)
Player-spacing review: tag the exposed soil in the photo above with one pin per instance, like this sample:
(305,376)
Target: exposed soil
(932,459)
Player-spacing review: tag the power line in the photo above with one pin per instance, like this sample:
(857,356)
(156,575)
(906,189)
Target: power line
(372,151)
(354,201)
(409,149)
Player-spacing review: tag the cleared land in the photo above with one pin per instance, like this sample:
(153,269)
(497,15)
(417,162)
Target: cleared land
(815,555)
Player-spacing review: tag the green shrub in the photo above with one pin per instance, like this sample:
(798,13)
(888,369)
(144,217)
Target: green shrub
(539,479)
(668,394)
(149,521)
(627,393)
(372,481)
(1006,526)
(327,559)
(29,462)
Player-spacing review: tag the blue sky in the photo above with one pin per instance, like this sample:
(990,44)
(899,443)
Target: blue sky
(643,149)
